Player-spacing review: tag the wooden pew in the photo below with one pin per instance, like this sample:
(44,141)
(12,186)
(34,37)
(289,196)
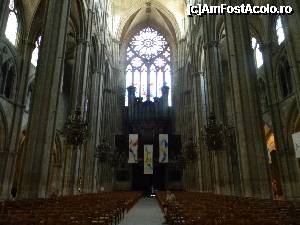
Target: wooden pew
(196,208)
(105,208)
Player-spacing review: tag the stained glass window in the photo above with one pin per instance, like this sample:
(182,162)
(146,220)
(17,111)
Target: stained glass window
(168,78)
(144,82)
(137,82)
(160,82)
(279,30)
(258,56)
(149,56)
(12,23)
(152,82)
(35,53)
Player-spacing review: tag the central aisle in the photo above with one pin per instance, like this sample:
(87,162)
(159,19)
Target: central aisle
(145,212)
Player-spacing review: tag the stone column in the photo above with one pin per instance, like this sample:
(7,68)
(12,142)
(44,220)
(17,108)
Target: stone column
(69,170)
(84,67)
(26,48)
(204,163)
(291,188)
(99,107)
(70,173)
(220,159)
(90,162)
(131,99)
(165,97)
(42,120)
(254,172)
(98,126)
(198,119)
(77,74)
(213,77)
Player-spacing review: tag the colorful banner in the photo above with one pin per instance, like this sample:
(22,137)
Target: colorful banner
(163,148)
(296,140)
(133,148)
(148,159)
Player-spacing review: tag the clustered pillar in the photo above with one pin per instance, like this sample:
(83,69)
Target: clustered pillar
(45,99)
(255,179)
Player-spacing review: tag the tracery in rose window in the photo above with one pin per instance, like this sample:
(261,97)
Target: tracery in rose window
(148,64)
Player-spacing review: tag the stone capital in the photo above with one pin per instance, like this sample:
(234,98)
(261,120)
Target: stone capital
(211,44)
(266,46)
(202,74)
(26,41)
(80,41)
(197,74)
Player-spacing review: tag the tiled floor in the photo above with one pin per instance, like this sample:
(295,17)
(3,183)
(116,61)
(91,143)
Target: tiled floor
(145,212)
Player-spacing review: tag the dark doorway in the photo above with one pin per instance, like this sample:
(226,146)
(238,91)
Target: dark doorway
(144,183)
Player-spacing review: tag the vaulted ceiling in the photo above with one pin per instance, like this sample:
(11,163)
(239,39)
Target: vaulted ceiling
(128,15)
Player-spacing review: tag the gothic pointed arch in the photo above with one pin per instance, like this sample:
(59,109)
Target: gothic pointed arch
(284,76)
(156,11)
(36,22)
(8,71)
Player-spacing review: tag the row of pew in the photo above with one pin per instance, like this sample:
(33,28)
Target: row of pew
(105,208)
(196,208)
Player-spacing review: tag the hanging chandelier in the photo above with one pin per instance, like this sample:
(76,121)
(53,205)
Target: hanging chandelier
(76,129)
(213,134)
(190,150)
(180,162)
(119,160)
(103,152)
(177,161)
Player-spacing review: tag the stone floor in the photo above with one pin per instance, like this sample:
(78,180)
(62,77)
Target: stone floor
(145,212)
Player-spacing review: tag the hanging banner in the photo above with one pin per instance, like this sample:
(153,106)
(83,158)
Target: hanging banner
(163,148)
(296,140)
(148,159)
(133,148)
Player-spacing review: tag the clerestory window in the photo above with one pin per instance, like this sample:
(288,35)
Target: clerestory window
(12,23)
(280,30)
(258,56)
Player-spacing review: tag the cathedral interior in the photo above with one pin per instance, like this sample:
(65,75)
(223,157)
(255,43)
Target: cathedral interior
(78,78)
